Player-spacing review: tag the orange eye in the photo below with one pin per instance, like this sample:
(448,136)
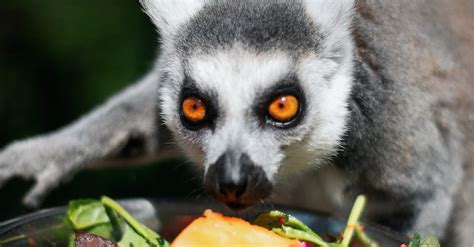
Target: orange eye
(194,109)
(284,108)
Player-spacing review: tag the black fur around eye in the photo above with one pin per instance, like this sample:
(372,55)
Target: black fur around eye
(196,109)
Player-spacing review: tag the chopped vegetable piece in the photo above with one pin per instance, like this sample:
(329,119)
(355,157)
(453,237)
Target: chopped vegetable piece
(105,219)
(214,229)
(131,238)
(288,226)
(353,220)
(415,241)
(429,241)
(86,213)
(109,220)
(84,239)
(150,236)
(363,238)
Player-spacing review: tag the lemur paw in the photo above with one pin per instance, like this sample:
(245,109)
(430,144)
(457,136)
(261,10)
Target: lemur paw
(34,159)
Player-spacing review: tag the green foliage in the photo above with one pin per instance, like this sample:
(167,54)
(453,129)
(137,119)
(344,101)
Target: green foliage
(141,230)
(415,241)
(86,213)
(131,238)
(89,215)
(288,226)
(429,241)
(108,219)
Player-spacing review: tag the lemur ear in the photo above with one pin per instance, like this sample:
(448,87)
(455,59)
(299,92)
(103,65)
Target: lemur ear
(168,15)
(333,17)
(330,13)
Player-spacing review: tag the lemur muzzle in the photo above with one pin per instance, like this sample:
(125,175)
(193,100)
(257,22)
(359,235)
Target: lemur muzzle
(237,181)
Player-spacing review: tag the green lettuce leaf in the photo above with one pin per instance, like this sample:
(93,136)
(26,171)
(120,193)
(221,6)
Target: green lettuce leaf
(288,226)
(86,213)
(108,219)
(415,241)
(429,241)
(141,230)
(131,238)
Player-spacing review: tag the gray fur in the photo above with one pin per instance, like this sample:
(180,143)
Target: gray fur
(409,142)
(263,25)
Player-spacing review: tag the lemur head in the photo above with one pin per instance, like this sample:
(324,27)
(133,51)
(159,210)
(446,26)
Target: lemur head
(254,89)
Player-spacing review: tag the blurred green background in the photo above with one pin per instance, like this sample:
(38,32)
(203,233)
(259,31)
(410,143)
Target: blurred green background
(59,59)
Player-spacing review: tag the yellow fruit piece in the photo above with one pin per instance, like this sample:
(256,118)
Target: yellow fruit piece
(214,229)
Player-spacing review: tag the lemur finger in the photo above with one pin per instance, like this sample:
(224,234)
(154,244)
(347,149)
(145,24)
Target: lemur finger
(6,173)
(12,165)
(45,182)
(3,179)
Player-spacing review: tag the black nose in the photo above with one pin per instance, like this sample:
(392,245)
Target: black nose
(237,181)
(232,190)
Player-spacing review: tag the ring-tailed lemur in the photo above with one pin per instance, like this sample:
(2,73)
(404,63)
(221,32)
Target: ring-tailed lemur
(304,99)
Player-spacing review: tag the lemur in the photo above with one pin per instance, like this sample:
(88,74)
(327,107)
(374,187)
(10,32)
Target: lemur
(303,101)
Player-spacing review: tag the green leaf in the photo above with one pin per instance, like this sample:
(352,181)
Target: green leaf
(149,235)
(288,226)
(275,219)
(289,232)
(72,240)
(415,241)
(430,241)
(89,215)
(353,220)
(131,238)
(104,230)
(86,213)
(106,218)
(363,238)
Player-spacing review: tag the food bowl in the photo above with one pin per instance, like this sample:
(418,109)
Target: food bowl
(167,217)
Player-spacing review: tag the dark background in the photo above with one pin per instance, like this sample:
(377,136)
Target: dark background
(59,59)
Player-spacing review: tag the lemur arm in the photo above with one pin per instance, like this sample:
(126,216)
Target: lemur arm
(126,125)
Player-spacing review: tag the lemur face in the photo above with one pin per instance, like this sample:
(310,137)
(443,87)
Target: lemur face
(253,90)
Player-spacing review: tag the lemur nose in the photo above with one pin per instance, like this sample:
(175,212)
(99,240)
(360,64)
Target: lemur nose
(233,190)
(237,181)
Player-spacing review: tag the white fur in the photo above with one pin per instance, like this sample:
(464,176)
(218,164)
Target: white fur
(334,18)
(327,112)
(169,15)
(328,99)
(237,76)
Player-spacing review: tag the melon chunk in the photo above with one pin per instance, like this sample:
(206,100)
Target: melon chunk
(214,229)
